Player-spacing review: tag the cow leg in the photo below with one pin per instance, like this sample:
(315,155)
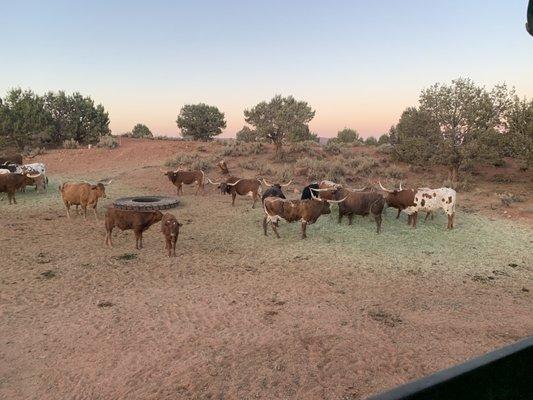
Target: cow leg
(274,226)
(350,219)
(233,195)
(67,207)
(138,239)
(340,216)
(95,214)
(427,215)
(84,209)
(265,225)
(174,240)
(409,218)
(398,215)
(414,218)
(255,199)
(108,241)
(378,219)
(450,220)
(304,228)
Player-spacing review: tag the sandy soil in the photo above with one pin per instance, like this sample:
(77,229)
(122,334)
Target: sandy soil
(342,315)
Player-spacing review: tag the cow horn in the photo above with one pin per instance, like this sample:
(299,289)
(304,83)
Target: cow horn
(322,190)
(212,183)
(314,197)
(163,171)
(234,183)
(287,184)
(401,185)
(266,183)
(386,190)
(33,176)
(337,201)
(108,182)
(358,190)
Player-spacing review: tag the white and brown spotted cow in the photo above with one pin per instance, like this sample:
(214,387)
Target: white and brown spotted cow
(430,200)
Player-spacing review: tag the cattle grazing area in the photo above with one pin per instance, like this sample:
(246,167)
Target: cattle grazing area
(344,314)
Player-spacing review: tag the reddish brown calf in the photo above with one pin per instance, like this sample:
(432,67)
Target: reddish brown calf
(171,229)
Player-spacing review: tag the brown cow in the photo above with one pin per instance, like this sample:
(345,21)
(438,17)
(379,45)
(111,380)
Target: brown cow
(179,177)
(82,194)
(399,198)
(11,182)
(306,211)
(239,186)
(11,158)
(139,221)
(171,229)
(357,203)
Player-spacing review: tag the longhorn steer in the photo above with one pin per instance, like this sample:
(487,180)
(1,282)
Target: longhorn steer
(306,191)
(306,211)
(178,178)
(139,221)
(399,198)
(82,194)
(357,203)
(239,186)
(10,183)
(274,190)
(430,200)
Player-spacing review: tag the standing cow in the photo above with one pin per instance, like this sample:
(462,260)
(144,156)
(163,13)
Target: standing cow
(239,186)
(138,221)
(274,190)
(430,200)
(356,202)
(171,230)
(11,182)
(179,177)
(306,211)
(82,194)
(399,198)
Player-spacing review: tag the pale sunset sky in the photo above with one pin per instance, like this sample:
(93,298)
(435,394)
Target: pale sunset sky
(357,63)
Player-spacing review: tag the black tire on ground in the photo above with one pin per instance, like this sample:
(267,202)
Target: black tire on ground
(146,203)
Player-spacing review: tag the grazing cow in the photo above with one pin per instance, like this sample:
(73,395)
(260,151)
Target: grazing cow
(179,177)
(11,158)
(306,211)
(274,190)
(82,194)
(138,221)
(357,202)
(239,186)
(171,230)
(430,200)
(10,183)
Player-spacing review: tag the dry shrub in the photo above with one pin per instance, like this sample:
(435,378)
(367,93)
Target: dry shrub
(236,149)
(307,147)
(463,185)
(284,174)
(502,178)
(394,172)
(254,165)
(71,144)
(193,162)
(108,142)
(333,147)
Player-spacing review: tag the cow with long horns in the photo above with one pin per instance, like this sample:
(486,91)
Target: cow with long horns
(239,186)
(180,177)
(306,211)
(325,184)
(274,190)
(11,182)
(399,198)
(356,202)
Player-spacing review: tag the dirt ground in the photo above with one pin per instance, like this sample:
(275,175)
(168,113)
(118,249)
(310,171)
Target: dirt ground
(343,315)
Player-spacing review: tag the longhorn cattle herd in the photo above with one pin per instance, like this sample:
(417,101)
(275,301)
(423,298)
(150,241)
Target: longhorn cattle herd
(315,200)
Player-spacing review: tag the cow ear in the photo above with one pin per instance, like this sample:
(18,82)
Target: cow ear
(94,187)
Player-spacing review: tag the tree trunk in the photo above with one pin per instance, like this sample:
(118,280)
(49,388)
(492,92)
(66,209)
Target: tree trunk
(453,173)
(279,151)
